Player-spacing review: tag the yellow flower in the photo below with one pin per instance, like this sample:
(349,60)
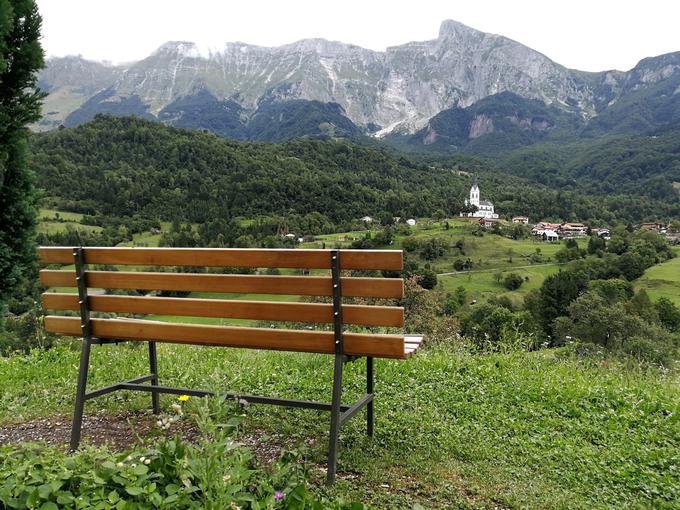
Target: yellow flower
(183,398)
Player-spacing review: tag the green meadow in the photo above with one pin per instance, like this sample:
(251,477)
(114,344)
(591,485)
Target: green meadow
(662,280)
(52,221)
(483,285)
(548,429)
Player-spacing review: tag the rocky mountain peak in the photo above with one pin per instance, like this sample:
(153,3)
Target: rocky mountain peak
(182,49)
(450,29)
(319,46)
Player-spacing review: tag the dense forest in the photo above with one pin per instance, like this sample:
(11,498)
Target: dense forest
(129,167)
(617,164)
(125,166)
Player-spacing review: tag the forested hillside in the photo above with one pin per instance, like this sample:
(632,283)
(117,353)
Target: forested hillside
(123,167)
(495,125)
(616,164)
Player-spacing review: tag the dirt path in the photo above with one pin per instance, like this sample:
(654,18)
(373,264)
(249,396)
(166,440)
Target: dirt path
(503,269)
(118,432)
(121,432)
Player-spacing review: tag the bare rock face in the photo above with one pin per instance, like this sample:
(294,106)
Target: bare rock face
(430,136)
(480,125)
(397,90)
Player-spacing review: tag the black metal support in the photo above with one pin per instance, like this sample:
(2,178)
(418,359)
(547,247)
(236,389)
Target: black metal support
(369,391)
(85,326)
(336,402)
(153,366)
(349,413)
(335,420)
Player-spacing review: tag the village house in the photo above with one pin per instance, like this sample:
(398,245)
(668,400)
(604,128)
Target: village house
(601,232)
(540,228)
(654,227)
(521,219)
(572,230)
(488,222)
(550,236)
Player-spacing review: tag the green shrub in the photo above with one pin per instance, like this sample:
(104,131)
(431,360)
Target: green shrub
(427,279)
(513,281)
(214,473)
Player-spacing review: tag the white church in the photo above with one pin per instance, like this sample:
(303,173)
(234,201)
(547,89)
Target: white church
(484,208)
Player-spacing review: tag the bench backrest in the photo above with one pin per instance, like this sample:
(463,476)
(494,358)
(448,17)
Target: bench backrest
(321,341)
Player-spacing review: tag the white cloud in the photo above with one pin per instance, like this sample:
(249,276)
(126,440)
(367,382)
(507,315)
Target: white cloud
(584,34)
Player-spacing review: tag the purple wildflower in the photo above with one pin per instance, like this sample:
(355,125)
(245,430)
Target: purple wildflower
(278,496)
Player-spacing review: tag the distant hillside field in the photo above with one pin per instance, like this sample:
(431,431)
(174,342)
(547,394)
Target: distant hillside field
(663,280)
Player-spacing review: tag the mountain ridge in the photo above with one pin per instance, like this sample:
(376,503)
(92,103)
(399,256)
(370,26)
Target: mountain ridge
(396,91)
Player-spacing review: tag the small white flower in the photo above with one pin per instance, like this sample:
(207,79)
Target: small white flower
(120,464)
(142,459)
(147,461)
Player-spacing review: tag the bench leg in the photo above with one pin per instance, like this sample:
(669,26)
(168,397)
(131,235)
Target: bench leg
(369,391)
(335,419)
(153,366)
(77,424)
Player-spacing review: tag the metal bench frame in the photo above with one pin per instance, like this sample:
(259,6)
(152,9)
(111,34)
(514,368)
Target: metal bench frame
(340,413)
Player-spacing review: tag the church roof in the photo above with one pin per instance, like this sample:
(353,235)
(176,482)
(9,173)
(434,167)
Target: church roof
(485,202)
(474,182)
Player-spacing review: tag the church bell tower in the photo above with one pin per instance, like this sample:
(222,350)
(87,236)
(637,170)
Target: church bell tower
(474,193)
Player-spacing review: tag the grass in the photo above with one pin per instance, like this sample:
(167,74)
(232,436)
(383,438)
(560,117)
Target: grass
(53,214)
(453,430)
(483,285)
(487,252)
(143,239)
(54,227)
(52,221)
(662,280)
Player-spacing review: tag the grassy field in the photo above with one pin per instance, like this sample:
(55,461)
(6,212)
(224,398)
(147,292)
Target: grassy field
(542,430)
(483,285)
(487,252)
(52,221)
(663,280)
(53,214)
(491,254)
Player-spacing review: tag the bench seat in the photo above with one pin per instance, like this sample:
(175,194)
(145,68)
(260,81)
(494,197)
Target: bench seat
(326,318)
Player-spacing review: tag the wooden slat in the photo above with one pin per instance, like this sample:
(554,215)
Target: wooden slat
(411,345)
(379,346)
(389,316)
(227,257)
(250,284)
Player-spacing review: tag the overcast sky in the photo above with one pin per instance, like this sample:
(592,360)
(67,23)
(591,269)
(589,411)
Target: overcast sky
(591,35)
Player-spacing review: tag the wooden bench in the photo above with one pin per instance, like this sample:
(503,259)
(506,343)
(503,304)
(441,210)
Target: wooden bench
(345,346)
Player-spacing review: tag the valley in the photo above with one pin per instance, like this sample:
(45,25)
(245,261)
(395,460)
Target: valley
(493,258)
